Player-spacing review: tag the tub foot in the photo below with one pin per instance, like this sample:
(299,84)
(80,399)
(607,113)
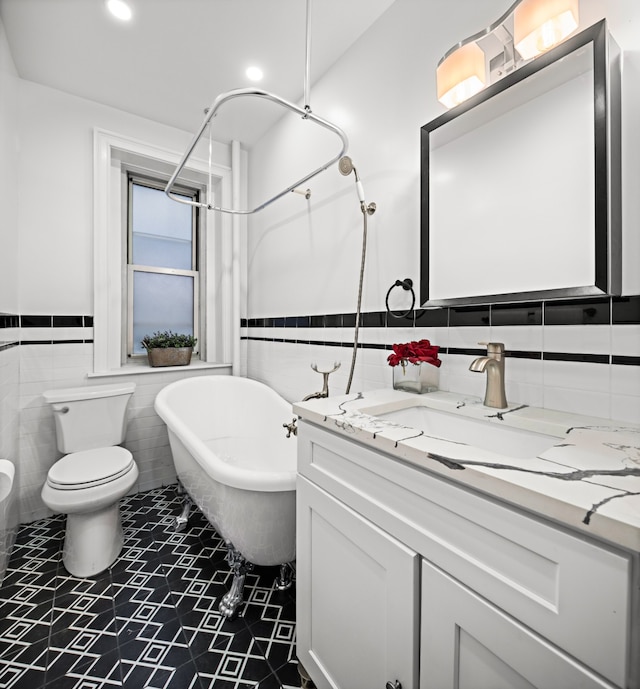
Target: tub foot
(305,680)
(284,580)
(234,597)
(182,519)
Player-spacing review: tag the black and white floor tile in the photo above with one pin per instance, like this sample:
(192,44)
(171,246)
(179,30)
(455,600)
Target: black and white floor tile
(151,621)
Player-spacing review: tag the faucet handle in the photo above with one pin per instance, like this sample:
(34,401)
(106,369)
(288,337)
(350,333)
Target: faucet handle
(493,347)
(336,366)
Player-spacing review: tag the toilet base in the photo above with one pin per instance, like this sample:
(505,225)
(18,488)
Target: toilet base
(93,541)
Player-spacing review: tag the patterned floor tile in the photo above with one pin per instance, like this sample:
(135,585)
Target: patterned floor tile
(93,672)
(143,659)
(237,661)
(151,621)
(182,677)
(18,676)
(23,624)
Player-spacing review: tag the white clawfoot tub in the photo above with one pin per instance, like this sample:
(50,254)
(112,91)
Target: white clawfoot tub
(234,460)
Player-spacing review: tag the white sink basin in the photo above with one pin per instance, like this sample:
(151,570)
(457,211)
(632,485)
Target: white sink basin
(504,440)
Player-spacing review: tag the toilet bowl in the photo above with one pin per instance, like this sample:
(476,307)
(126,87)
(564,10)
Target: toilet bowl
(88,482)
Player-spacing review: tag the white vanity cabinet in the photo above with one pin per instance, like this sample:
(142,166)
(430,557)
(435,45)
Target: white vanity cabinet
(404,576)
(360,585)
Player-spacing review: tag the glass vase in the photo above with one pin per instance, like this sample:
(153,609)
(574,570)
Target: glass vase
(419,378)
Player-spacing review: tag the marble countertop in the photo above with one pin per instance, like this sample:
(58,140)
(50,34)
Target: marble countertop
(587,476)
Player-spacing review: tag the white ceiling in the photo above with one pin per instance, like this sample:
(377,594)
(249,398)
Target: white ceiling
(170,62)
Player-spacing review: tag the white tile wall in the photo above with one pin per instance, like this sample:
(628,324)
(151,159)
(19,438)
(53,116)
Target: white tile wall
(9,381)
(27,433)
(579,339)
(608,391)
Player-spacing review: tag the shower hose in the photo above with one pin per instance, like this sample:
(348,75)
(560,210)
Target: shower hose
(359,305)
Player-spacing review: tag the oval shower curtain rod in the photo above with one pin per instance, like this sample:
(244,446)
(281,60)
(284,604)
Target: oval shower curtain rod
(304,112)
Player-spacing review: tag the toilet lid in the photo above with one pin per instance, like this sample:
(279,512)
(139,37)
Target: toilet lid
(90,468)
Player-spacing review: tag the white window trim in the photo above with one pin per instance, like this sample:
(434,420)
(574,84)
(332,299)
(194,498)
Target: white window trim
(222,332)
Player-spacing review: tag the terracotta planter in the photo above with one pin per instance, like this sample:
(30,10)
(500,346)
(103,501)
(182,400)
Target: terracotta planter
(169,356)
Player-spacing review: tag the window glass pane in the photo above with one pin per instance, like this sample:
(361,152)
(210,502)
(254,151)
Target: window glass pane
(161,302)
(162,229)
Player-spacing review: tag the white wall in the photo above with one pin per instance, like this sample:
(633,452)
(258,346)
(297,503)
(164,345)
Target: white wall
(56,177)
(8,251)
(55,277)
(303,257)
(8,178)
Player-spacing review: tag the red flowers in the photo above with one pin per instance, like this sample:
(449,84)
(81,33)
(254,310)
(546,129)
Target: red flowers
(414,353)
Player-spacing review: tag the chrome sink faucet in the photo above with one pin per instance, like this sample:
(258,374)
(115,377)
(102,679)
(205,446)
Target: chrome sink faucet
(493,364)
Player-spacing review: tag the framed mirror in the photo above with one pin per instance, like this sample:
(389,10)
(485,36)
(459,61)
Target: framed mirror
(520,185)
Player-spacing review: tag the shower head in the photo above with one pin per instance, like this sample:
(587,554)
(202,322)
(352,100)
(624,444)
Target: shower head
(346,167)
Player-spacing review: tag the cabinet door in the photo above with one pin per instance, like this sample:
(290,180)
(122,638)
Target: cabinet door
(467,643)
(357,612)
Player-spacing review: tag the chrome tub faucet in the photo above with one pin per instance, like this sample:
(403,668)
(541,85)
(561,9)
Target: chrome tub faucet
(493,365)
(325,382)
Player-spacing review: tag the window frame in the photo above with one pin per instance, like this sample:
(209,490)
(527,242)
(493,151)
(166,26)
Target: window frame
(193,192)
(220,250)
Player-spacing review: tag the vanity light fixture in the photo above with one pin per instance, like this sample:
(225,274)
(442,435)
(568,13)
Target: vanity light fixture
(539,26)
(527,29)
(461,74)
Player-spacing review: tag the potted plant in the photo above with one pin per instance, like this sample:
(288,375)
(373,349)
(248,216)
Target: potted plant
(168,348)
(415,366)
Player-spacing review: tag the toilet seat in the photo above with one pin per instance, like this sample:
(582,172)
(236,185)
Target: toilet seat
(90,468)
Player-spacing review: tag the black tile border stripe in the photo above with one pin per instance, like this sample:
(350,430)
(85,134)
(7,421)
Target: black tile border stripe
(36,321)
(54,321)
(587,311)
(54,342)
(9,320)
(27,321)
(625,310)
(625,360)
(583,358)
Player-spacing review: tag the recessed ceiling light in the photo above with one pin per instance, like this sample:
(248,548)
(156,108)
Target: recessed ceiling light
(254,73)
(119,9)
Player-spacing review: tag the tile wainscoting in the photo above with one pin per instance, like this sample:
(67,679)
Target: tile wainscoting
(56,351)
(578,355)
(9,386)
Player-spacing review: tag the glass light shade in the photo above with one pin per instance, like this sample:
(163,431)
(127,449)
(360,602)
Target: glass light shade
(461,75)
(538,25)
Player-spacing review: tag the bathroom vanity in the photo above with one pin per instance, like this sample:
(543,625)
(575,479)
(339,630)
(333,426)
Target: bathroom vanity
(445,544)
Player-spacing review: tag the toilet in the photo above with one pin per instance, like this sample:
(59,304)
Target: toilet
(88,482)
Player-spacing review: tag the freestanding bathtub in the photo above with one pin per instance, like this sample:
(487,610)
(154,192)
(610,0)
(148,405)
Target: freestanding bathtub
(234,460)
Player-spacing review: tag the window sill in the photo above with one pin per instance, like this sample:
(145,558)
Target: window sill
(144,369)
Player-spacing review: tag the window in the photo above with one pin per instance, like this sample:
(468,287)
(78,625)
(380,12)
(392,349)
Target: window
(162,262)
(116,157)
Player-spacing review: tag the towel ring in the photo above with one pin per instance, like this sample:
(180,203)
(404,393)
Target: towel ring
(407,285)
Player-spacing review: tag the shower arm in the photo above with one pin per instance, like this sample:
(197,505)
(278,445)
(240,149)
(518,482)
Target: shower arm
(304,112)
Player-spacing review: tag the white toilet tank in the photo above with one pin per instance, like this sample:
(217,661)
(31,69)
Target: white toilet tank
(90,417)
